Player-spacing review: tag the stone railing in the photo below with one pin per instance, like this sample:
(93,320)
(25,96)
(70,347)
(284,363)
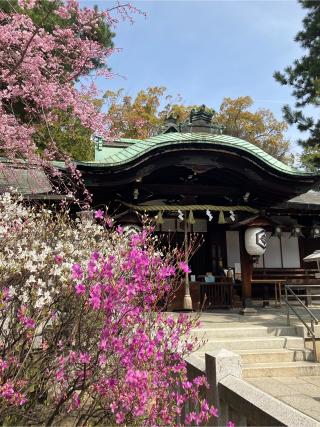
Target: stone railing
(236,399)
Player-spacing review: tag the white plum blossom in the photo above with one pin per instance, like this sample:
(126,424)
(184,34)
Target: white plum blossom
(12,291)
(42,251)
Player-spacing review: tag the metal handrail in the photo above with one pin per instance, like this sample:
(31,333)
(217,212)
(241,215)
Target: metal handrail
(289,287)
(314,320)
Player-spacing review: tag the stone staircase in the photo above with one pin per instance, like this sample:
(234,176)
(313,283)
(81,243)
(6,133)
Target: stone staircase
(265,351)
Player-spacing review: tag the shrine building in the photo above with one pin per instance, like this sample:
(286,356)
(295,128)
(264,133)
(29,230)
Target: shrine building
(257,217)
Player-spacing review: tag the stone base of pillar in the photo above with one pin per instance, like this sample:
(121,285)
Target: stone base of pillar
(248,311)
(187,302)
(248,308)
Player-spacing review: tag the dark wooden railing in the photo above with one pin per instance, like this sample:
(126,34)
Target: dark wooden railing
(216,295)
(219,294)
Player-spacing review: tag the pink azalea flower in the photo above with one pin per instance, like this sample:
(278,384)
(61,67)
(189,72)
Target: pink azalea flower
(92,268)
(28,322)
(214,412)
(102,360)
(166,271)
(60,375)
(3,365)
(103,344)
(119,229)
(58,259)
(109,222)
(95,302)
(80,288)
(119,418)
(7,391)
(77,271)
(99,214)
(184,267)
(76,400)
(84,358)
(95,256)
(22,399)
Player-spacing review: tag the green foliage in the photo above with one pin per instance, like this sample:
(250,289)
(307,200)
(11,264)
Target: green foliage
(304,78)
(311,157)
(259,127)
(69,135)
(138,117)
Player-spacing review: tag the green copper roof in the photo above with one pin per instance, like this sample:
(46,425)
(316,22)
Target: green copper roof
(142,147)
(129,140)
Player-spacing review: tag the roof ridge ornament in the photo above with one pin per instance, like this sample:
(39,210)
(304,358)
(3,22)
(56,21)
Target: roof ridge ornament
(201,114)
(171,124)
(200,121)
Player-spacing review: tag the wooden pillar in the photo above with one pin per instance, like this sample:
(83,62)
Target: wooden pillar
(246,268)
(187,301)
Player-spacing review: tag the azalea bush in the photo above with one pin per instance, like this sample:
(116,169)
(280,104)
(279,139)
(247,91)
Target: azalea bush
(83,335)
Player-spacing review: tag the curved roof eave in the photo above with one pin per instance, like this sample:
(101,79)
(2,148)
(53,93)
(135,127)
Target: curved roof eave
(147,146)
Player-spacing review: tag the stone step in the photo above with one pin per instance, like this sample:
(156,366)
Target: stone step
(277,355)
(238,332)
(254,343)
(276,369)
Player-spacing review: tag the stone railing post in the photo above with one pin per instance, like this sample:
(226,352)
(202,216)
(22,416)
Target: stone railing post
(220,364)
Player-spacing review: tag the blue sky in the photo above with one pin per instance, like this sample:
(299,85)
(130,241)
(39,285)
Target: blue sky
(205,50)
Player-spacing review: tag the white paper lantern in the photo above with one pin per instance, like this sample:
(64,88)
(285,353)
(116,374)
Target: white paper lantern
(255,240)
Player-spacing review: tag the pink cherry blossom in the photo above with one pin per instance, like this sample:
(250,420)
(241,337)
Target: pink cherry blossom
(39,70)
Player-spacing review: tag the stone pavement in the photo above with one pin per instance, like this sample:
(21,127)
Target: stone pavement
(302,393)
(265,317)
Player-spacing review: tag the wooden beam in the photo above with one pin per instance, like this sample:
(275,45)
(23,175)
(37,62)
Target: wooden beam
(246,268)
(206,190)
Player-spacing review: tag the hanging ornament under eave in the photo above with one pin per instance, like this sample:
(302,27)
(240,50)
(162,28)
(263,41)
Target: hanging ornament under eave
(232,216)
(191,219)
(221,219)
(180,215)
(296,231)
(209,215)
(159,218)
(277,231)
(315,232)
